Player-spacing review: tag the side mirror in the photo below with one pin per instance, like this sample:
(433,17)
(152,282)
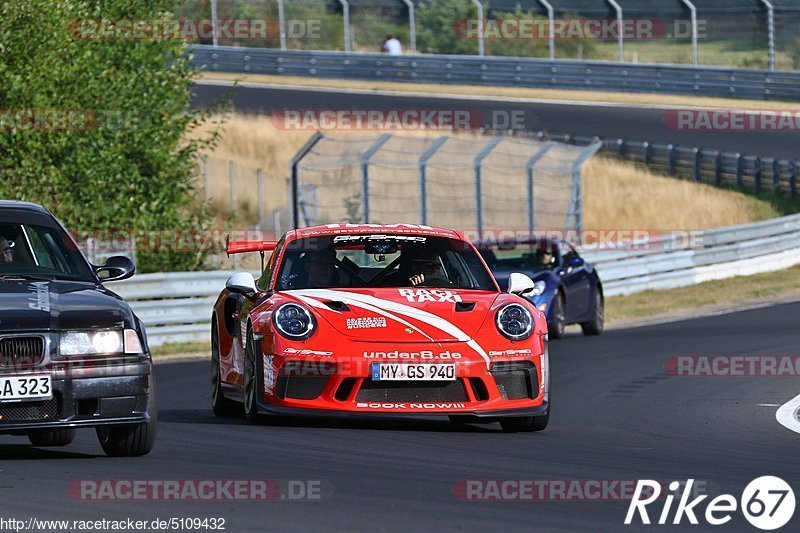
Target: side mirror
(574,262)
(116,268)
(520,283)
(242,283)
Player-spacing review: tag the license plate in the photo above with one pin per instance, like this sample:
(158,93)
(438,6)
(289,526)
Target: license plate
(39,387)
(413,372)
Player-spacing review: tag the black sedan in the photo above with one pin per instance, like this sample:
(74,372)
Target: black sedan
(72,353)
(567,288)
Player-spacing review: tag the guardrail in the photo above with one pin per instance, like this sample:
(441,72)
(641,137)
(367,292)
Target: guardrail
(505,71)
(176,307)
(746,172)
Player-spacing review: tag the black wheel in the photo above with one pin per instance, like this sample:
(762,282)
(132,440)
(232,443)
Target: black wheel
(597,324)
(525,423)
(52,437)
(250,381)
(556,329)
(459,420)
(221,405)
(131,440)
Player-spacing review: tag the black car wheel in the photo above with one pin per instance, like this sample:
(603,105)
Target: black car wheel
(556,329)
(52,437)
(221,405)
(250,381)
(525,423)
(597,324)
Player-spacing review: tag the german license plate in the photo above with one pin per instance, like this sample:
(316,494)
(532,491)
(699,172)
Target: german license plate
(413,372)
(34,387)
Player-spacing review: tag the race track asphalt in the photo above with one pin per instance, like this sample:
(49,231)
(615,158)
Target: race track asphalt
(617,416)
(612,121)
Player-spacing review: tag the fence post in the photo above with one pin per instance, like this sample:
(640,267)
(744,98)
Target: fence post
(294,180)
(718,168)
(671,159)
(620,148)
(214,24)
(576,210)
(620,26)
(793,178)
(383,139)
(552,30)
(695,48)
(770,31)
(481,26)
(646,153)
(423,178)
(739,170)
(477,163)
(776,176)
(697,164)
(282,24)
(757,175)
(260,174)
(346,20)
(529,168)
(412,27)
(232,178)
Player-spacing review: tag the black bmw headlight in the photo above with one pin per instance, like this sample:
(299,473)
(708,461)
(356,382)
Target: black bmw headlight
(515,322)
(294,321)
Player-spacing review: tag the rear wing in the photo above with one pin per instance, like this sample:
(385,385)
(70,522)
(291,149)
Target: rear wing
(240,247)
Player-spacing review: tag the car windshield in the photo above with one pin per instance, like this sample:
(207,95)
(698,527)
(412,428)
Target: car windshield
(525,257)
(40,251)
(350,261)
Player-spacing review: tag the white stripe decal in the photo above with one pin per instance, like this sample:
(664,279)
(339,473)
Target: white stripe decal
(423,316)
(320,305)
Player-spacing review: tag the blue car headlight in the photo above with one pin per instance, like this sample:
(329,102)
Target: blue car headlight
(294,321)
(514,322)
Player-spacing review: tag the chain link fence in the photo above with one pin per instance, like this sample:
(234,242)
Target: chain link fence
(478,185)
(736,33)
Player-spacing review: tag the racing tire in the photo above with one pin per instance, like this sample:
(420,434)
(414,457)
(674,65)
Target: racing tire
(597,324)
(250,388)
(51,437)
(220,405)
(557,328)
(458,420)
(130,440)
(525,423)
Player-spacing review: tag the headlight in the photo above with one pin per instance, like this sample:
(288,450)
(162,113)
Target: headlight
(538,289)
(90,342)
(294,321)
(515,322)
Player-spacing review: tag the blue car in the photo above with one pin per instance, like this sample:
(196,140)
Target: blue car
(567,288)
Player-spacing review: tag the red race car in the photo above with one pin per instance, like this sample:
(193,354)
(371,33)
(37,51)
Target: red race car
(378,319)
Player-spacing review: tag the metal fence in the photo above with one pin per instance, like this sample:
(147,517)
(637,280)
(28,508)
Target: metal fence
(506,71)
(470,183)
(176,307)
(756,33)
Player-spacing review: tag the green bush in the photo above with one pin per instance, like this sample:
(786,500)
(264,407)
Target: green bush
(131,167)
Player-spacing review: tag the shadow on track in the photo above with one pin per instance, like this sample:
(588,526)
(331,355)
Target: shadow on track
(26,452)
(204,416)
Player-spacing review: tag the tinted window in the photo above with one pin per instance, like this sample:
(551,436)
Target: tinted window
(38,250)
(350,261)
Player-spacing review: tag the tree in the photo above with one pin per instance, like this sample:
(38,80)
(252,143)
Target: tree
(120,159)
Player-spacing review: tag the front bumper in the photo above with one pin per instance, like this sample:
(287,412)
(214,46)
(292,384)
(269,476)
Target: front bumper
(86,396)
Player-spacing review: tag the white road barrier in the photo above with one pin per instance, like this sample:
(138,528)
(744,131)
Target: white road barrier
(176,306)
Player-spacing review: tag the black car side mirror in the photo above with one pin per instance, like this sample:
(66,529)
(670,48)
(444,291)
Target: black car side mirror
(116,268)
(574,262)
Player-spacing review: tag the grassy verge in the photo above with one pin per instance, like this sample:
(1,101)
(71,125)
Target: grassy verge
(182,348)
(508,92)
(711,293)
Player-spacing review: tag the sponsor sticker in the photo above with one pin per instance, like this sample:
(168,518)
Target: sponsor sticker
(366,322)
(429,295)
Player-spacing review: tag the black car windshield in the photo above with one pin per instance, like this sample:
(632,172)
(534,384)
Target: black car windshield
(351,261)
(39,251)
(524,257)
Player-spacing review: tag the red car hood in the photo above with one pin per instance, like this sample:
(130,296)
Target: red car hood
(400,315)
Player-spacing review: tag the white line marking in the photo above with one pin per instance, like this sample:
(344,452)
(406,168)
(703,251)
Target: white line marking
(444,96)
(787,415)
(769,405)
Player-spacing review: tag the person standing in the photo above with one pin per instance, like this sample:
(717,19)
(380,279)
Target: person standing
(392,46)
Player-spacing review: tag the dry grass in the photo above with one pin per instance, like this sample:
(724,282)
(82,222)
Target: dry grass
(621,195)
(727,291)
(617,195)
(508,92)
